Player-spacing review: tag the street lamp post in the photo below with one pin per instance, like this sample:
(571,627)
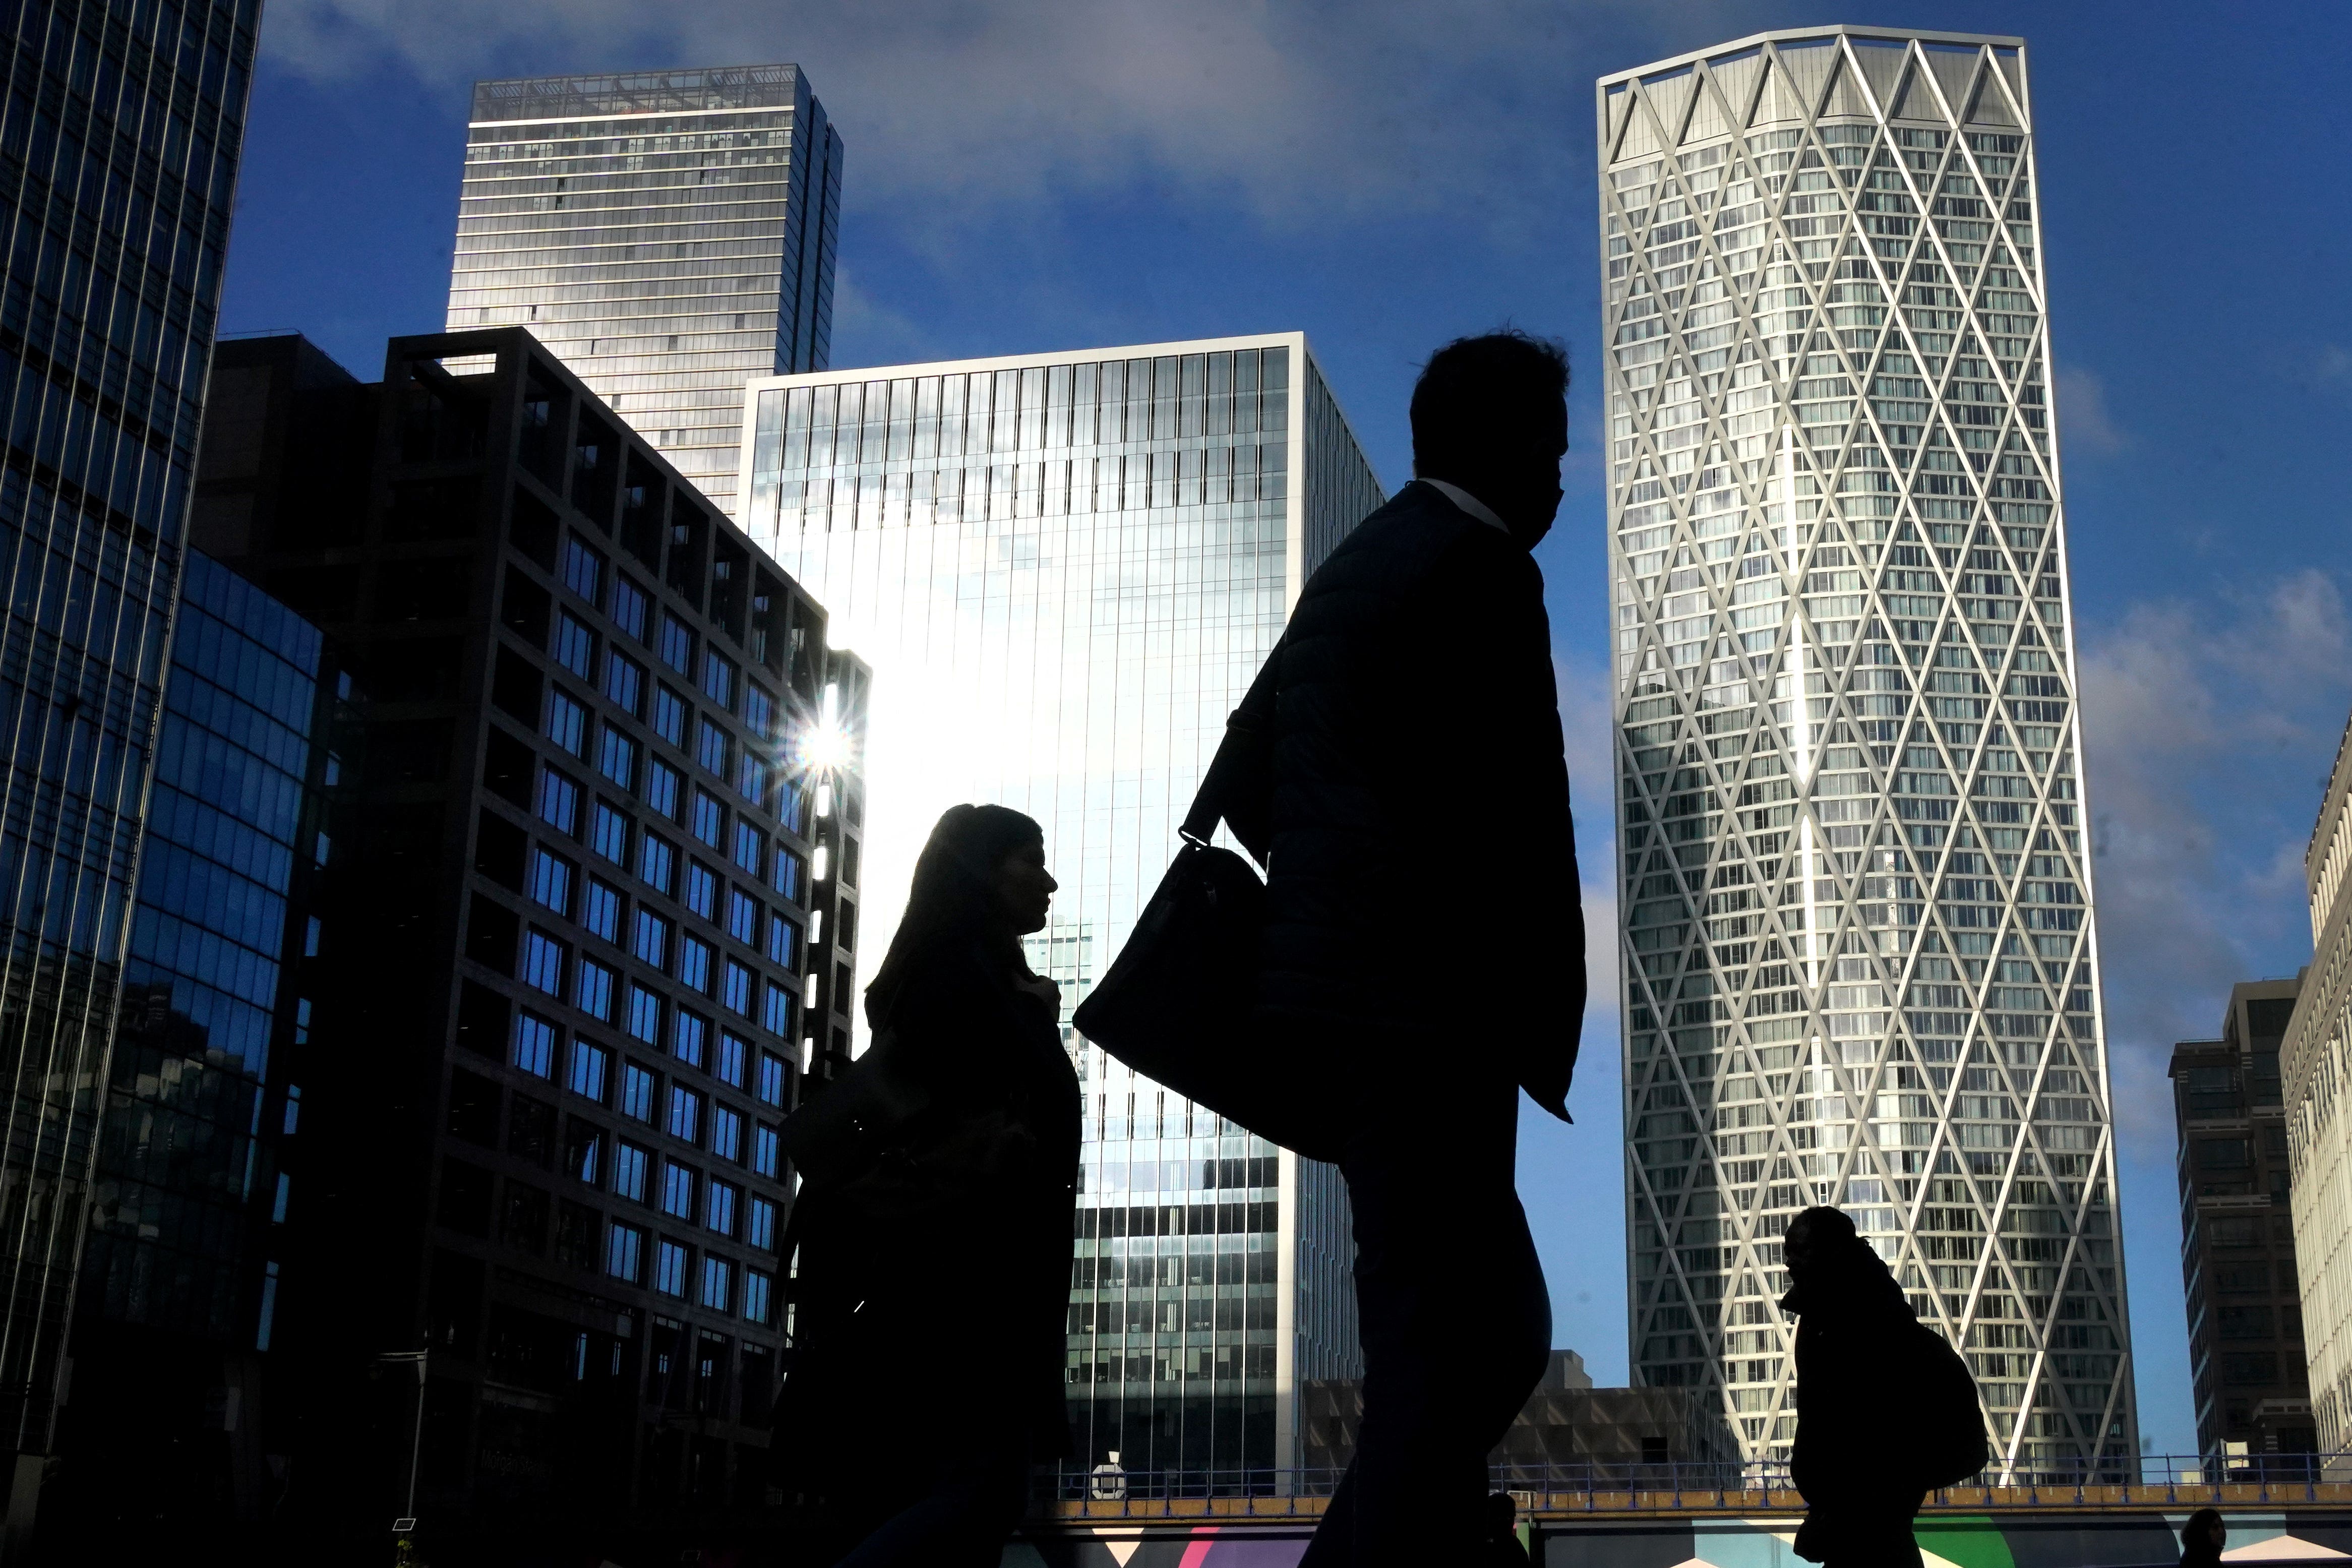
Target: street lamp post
(417,1441)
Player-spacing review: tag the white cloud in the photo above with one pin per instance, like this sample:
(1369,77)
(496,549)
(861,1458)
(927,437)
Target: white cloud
(2205,727)
(2083,422)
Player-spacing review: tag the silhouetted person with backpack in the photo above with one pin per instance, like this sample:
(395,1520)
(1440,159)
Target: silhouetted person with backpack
(943,1208)
(1884,1407)
(1422,957)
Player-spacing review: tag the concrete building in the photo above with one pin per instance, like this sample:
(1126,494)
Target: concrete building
(1859,958)
(603,920)
(1065,569)
(2317,1074)
(2237,1236)
(667,235)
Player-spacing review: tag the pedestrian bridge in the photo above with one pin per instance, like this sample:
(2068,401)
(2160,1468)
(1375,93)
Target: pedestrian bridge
(2030,1523)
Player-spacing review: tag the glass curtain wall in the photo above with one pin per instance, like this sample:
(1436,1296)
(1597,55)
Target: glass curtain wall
(670,234)
(1858,961)
(1065,570)
(120,139)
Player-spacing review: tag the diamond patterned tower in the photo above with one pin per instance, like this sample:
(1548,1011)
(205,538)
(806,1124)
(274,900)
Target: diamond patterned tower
(1859,962)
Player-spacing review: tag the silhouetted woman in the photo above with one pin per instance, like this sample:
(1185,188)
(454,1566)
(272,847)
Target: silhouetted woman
(927,1362)
(2203,1537)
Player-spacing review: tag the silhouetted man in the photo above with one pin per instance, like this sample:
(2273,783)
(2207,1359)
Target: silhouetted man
(1424,942)
(1854,1460)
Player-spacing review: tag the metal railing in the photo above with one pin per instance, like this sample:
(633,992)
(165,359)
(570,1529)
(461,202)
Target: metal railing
(1603,1486)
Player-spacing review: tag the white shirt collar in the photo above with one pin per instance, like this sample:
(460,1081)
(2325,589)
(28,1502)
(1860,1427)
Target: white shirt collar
(1467,502)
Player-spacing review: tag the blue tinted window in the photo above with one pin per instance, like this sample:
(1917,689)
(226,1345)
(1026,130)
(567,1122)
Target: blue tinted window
(629,608)
(589,1066)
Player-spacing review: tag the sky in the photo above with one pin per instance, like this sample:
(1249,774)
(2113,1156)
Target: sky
(1026,174)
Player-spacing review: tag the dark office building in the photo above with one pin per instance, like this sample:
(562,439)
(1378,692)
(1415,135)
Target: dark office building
(169,1424)
(606,869)
(120,131)
(2237,1238)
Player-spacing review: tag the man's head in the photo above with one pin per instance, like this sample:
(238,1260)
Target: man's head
(1815,1238)
(1490,414)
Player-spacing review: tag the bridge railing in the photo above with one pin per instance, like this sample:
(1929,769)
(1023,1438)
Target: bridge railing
(1651,1485)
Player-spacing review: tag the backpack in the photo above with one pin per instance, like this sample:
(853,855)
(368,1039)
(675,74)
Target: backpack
(1947,1440)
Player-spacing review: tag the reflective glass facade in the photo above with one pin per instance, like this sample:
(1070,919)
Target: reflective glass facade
(1065,569)
(670,234)
(1859,963)
(118,144)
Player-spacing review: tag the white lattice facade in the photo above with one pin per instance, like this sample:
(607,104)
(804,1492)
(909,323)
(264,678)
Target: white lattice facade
(1859,964)
(2319,1120)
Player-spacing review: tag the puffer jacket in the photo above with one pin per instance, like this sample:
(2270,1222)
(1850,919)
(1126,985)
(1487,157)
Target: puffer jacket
(1411,809)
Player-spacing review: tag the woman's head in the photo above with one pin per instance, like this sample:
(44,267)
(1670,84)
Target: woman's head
(2205,1528)
(981,878)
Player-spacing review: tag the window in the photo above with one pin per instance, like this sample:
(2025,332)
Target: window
(709,819)
(629,608)
(685,1114)
(644,1014)
(583,1151)
(611,839)
(567,721)
(550,881)
(678,646)
(559,802)
(589,1066)
(783,941)
(759,710)
(735,989)
(630,1165)
(761,1231)
(711,749)
(625,1249)
(624,683)
(759,1297)
(594,992)
(792,809)
(776,1012)
(689,1041)
(677,1190)
(657,863)
(766,1151)
(788,875)
(701,890)
(694,963)
(583,570)
(603,914)
(718,1207)
(616,759)
(719,679)
(661,788)
(742,917)
(775,1079)
(727,1133)
(734,1054)
(750,778)
(669,716)
(751,849)
(575,646)
(636,1092)
(718,1283)
(670,1269)
(534,1045)
(542,963)
(650,939)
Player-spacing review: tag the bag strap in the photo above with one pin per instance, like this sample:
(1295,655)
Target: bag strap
(1239,759)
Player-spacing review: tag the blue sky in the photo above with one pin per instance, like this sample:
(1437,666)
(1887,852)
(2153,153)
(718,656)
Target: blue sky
(1041,175)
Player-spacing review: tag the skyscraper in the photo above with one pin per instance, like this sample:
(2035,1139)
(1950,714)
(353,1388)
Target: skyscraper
(1065,569)
(2314,1067)
(2246,1365)
(119,146)
(1858,956)
(670,234)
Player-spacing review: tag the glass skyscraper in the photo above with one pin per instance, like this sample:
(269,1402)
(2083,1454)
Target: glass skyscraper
(119,145)
(670,234)
(1064,569)
(1859,962)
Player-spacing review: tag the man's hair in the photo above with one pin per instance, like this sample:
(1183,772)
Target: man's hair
(1824,1227)
(1477,396)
